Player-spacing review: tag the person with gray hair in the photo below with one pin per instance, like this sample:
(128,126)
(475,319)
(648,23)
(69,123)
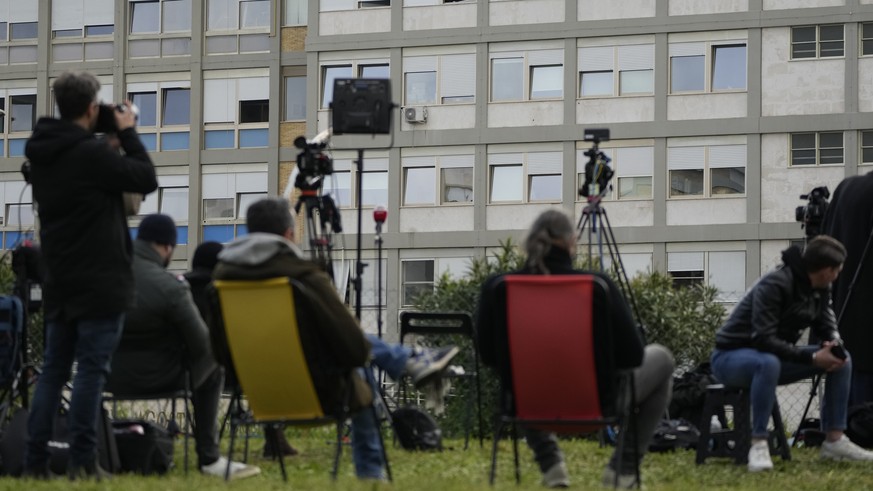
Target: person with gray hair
(756,348)
(78,183)
(550,246)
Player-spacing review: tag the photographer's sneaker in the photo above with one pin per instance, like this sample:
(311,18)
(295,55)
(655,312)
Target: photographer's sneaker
(759,457)
(423,366)
(238,470)
(844,449)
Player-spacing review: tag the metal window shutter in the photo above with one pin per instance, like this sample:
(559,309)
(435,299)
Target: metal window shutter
(420,64)
(254,88)
(545,57)
(596,59)
(505,158)
(458,75)
(636,161)
(685,158)
(637,57)
(722,156)
(219,101)
(99,12)
(67,14)
(418,161)
(23,10)
(544,163)
(684,261)
(687,49)
(447,161)
(342,164)
(375,164)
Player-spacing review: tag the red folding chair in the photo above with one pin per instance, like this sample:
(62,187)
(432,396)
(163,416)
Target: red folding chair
(552,322)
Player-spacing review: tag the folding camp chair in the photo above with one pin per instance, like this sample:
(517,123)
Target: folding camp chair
(552,322)
(261,320)
(444,323)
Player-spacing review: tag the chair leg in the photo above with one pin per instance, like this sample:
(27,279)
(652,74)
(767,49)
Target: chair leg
(468,422)
(498,429)
(479,405)
(274,436)
(784,448)
(339,448)
(514,430)
(233,427)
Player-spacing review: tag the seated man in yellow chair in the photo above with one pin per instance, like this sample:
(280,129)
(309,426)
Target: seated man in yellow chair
(267,252)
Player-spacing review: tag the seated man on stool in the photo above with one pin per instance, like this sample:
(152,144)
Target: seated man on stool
(268,252)
(755,348)
(163,334)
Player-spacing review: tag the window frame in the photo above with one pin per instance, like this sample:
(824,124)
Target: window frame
(163,132)
(528,66)
(440,66)
(616,163)
(863,147)
(529,165)
(356,68)
(438,182)
(709,67)
(616,71)
(704,276)
(818,149)
(865,39)
(238,34)
(818,42)
(345,169)
(163,37)
(706,169)
(404,282)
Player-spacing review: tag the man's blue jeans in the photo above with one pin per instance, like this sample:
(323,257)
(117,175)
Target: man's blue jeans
(366,449)
(761,372)
(90,342)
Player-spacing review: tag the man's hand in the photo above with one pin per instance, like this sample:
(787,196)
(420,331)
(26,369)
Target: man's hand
(825,360)
(125,119)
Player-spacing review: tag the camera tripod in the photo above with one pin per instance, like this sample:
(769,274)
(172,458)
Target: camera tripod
(322,220)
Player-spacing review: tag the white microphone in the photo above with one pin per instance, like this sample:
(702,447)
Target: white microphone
(321,138)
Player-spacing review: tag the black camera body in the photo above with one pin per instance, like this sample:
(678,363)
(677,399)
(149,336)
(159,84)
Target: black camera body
(597,172)
(312,162)
(812,214)
(106,117)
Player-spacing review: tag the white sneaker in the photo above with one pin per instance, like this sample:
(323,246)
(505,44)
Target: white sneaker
(844,449)
(759,457)
(556,476)
(625,481)
(238,470)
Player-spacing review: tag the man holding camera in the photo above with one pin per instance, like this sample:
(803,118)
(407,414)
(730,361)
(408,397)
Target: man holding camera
(78,183)
(849,219)
(755,348)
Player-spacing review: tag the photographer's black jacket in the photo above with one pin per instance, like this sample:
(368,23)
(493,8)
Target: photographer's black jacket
(773,313)
(78,182)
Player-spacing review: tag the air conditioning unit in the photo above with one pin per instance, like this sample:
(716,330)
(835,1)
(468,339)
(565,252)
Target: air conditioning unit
(415,114)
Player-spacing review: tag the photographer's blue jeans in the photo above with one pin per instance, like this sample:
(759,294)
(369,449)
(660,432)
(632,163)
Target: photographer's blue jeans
(761,372)
(90,342)
(391,358)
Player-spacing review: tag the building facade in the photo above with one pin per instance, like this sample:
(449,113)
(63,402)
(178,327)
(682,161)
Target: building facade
(721,112)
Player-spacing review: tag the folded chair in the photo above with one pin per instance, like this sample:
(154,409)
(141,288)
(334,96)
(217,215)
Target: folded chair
(555,325)
(445,323)
(261,321)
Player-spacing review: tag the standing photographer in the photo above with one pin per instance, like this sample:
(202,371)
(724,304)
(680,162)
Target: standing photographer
(78,183)
(849,219)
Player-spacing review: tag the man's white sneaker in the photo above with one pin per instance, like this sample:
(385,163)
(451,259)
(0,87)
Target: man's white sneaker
(238,470)
(844,449)
(759,457)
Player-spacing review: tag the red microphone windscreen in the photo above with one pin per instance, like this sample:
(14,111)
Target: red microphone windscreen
(380,214)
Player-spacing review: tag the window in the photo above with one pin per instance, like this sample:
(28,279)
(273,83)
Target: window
(866,147)
(236,112)
(18,32)
(174,202)
(607,71)
(448,178)
(816,148)
(164,114)
(707,67)
(726,271)
(295,98)
(418,278)
(633,166)
(329,73)
(707,171)
(82,30)
(23,108)
(545,78)
(442,79)
(342,185)
(295,12)
(237,26)
(225,199)
(16,121)
(159,28)
(20,215)
(817,41)
(867,39)
(525,177)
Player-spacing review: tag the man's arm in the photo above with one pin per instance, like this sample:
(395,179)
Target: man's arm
(131,172)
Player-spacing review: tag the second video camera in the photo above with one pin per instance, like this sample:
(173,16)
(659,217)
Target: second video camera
(812,214)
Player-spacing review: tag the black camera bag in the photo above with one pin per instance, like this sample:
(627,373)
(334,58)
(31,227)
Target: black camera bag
(416,429)
(143,446)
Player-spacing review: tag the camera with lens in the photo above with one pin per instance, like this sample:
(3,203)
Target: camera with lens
(597,171)
(812,214)
(106,117)
(312,162)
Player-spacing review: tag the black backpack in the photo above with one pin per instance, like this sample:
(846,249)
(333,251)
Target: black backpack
(689,394)
(416,429)
(859,425)
(673,434)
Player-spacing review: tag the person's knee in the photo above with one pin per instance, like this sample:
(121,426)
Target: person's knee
(659,358)
(769,365)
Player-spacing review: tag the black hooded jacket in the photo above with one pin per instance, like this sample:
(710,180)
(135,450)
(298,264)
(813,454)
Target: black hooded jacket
(78,181)
(775,311)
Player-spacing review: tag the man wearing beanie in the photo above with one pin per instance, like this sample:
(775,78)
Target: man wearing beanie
(78,182)
(163,335)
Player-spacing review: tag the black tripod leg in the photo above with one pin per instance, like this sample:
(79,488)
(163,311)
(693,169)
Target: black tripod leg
(812,392)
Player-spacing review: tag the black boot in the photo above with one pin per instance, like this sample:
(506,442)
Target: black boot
(91,470)
(285,447)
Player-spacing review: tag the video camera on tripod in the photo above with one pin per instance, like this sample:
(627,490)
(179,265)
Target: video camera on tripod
(597,170)
(812,214)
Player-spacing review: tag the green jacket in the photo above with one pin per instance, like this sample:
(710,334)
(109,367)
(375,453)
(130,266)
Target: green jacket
(162,329)
(333,343)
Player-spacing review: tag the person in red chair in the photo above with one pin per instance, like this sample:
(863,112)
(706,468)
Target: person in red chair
(550,248)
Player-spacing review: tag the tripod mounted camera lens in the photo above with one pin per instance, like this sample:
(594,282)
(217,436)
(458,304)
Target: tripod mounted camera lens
(597,171)
(812,214)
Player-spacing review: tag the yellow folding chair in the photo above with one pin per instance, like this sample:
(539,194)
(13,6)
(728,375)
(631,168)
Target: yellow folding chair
(260,319)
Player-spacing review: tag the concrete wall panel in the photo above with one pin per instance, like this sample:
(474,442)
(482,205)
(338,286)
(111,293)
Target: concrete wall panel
(515,114)
(615,110)
(515,12)
(801,4)
(696,7)
(706,211)
(354,22)
(451,117)
(437,219)
(626,9)
(707,106)
(447,16)
(513,217)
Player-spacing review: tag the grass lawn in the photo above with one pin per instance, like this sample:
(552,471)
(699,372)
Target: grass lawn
(458,469)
